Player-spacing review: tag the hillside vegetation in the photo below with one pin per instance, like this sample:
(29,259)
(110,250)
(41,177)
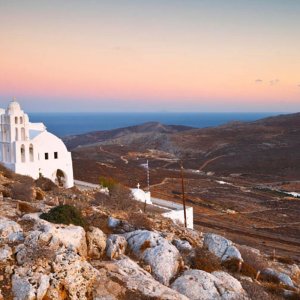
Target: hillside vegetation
(119,252)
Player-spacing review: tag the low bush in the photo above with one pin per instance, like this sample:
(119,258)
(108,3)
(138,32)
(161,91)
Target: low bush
(23,191)
(205,260)
(121,198)
(140,220)
(256,291)
(64,214)
(234,265)
(285,260)
(100,199)
(45,184)
(107,182)
(39,195)
(6,172)
(275,289)
(6,192)
(253,259)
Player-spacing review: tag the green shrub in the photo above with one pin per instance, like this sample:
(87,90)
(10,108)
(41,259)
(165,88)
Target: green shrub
(107,182)
(64,214)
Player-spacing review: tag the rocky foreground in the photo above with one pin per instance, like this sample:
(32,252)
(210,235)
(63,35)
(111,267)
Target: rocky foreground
(115,257)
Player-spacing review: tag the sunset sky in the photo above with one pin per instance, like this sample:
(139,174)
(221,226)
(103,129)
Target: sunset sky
(155,55)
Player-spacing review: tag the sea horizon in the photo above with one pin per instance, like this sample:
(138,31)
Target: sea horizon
(71,123)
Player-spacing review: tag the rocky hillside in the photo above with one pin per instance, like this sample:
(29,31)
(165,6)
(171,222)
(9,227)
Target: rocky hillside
(268,147)
(125,135)
(119,252)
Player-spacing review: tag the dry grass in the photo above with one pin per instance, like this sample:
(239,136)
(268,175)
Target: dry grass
(253,259)
(6,172)
(235,266)
(39,195)
(285,260)
(45,184)
(100,199)
(100,221)
(205,260)
(80,204)
(120,198)
(26,208)
(257,292)
(23,191)
(140,220)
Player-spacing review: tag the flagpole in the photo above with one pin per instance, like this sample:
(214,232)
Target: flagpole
(183,196)
(148,184)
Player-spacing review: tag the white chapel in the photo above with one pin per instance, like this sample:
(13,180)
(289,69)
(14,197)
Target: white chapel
(29,149)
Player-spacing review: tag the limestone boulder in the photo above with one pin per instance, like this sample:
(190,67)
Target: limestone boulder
(163,257)
(10,231)
(68,274)
(221,247)
(73,274)
(138,281)
(182,245)
(5,253)
(96,242)
(200,285)
(282,277)
(113,222)
(116,245)
(70,236)
(22,289)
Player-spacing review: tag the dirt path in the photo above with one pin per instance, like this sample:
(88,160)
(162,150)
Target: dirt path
(209,161)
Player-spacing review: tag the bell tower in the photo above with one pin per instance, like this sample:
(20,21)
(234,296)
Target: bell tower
(14,129)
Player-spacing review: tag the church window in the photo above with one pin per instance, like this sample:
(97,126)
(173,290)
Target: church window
(31,152)
(21,120)
(22,153)
(55,155)
(16,120)
(46,155)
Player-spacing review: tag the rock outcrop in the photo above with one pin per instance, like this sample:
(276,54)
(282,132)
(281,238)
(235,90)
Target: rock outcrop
(281,277)
(5,253)
(221,247)
(159,253)
(96,242)
(116,245)
(135,279)
(10,231)
(200,285)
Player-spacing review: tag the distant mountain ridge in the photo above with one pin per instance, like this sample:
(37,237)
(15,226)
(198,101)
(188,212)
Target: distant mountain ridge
(268,146)
(74,141)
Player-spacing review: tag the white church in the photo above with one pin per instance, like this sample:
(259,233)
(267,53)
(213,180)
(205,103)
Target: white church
(29,149)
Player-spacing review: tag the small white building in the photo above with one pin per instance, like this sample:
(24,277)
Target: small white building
(29,149)
(140,195)
(171,210)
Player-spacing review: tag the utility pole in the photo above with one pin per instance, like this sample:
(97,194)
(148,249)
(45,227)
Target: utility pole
(148,176)
(148,184)
(183,196)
